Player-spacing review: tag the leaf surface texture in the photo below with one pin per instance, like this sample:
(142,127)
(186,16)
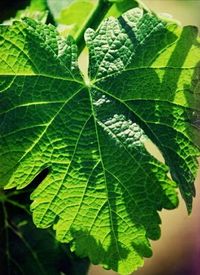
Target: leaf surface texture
(104,189)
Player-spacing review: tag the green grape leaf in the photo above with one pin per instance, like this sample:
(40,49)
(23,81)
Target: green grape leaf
(25,249)
(104,188)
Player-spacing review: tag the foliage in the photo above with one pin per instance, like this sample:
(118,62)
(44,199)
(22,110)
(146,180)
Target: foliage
(25,249)
(104,188)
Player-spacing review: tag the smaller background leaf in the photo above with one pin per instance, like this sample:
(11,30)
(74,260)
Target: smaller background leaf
(72,15)
(120,7)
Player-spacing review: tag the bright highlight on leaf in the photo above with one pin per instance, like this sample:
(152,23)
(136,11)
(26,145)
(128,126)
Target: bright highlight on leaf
(104,189)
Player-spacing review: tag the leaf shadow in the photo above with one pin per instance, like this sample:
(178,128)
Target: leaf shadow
(85,245)
(166,90)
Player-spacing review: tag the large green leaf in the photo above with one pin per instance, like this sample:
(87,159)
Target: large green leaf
(104,188)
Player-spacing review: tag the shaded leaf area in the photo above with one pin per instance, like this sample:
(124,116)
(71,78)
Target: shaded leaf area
(162,90)
(25,249)
(104,189)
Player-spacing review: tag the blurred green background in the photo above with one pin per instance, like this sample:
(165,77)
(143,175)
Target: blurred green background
(178,250)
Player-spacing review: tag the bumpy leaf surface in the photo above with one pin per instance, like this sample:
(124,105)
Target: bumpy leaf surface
(104,188)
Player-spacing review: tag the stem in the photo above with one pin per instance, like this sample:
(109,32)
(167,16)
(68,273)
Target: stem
(2,195)
(93,22)
(21,206)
